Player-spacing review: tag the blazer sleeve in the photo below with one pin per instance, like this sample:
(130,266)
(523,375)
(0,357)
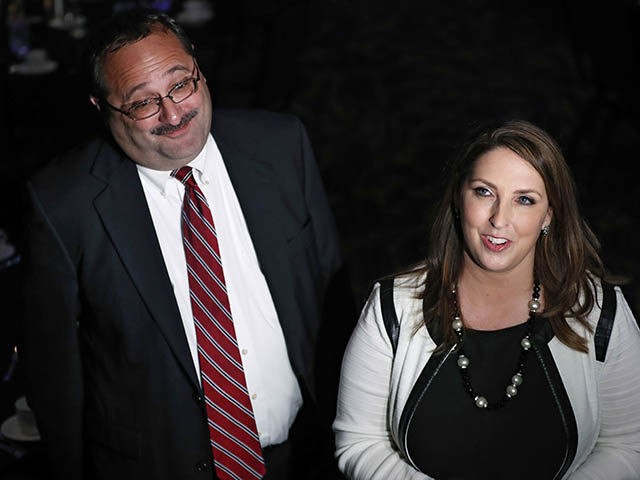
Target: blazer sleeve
(365,448)
(328,245)
(338,313)
(616,454)
(49,351)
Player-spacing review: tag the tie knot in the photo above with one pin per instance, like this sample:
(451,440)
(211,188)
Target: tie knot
(185,175)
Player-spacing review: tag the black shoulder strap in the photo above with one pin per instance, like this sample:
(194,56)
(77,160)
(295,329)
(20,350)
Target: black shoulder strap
(389,316)
(605,322)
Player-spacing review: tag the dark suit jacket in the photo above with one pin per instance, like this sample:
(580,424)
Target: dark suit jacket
(110,376)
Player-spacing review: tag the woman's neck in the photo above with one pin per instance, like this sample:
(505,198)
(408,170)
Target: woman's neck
(491,301)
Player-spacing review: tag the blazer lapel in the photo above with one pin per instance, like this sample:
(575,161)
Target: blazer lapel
(123,209)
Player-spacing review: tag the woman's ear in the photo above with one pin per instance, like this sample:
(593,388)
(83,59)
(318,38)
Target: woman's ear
(548,217)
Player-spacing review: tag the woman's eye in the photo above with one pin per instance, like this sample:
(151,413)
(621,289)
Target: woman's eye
(524,200)
(482,191)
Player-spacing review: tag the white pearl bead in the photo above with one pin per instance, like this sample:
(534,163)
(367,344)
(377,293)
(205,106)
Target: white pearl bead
(481,402)
(463,362)
(457,324)
(512,391)
(525,343)
(517,379)
(534,305)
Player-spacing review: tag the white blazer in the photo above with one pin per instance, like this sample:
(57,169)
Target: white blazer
(375,385)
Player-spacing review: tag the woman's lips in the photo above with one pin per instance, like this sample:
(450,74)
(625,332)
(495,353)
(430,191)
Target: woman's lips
(495,244)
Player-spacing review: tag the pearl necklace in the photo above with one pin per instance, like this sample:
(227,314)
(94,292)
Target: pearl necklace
(463,361)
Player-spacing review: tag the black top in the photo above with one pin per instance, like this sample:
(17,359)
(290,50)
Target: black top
(450,438)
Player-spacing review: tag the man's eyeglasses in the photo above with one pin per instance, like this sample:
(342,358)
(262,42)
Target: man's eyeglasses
(150,106)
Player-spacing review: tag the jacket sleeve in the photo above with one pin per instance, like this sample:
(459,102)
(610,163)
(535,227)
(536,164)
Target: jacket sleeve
(328,244)
(617,451)
(49,351)
(365,448)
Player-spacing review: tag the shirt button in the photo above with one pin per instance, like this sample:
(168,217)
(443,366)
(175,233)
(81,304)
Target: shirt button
(205,180)
(254,396)
(163,193)
(244,351)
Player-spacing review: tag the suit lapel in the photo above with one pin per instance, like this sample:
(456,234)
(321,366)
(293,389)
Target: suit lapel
(123,209)
(253,183)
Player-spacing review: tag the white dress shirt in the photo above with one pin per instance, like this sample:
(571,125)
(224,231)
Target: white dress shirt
(273,388)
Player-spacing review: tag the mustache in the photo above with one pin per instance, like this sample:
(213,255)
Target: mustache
(164,129)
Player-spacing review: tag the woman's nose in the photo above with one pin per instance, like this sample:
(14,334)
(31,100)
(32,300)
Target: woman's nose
(500,214)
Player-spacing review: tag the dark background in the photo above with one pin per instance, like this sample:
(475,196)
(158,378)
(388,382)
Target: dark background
(386,90)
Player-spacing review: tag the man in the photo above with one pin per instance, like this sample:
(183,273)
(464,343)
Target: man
(118,320)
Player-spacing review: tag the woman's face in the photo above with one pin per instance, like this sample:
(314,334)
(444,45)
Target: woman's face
(504,207)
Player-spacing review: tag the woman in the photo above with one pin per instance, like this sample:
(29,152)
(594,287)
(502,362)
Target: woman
(499,365)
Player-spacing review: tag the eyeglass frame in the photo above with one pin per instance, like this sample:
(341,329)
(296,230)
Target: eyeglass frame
(158,100)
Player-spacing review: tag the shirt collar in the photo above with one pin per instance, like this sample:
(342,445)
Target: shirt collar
(160,178)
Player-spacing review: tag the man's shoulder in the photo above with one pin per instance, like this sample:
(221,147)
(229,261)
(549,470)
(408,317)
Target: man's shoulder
(66,168)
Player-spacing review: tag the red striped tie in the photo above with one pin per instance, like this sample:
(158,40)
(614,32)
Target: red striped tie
(232,428)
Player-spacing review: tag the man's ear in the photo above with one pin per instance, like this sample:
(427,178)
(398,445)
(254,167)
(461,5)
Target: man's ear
(94,101)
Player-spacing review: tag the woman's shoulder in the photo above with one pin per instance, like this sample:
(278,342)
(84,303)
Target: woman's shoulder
(409,283)
(401,283)
(609,303)
(405,288)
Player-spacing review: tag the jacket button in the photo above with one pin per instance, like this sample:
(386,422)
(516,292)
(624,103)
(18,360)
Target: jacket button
(202,466)
(198,398)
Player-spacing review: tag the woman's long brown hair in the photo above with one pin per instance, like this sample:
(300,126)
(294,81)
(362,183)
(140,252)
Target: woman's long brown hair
(565,260)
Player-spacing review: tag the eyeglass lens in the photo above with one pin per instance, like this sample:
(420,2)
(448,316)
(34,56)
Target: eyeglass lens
(177,94)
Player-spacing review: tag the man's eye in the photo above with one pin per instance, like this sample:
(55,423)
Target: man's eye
(142,103)
(179,86)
